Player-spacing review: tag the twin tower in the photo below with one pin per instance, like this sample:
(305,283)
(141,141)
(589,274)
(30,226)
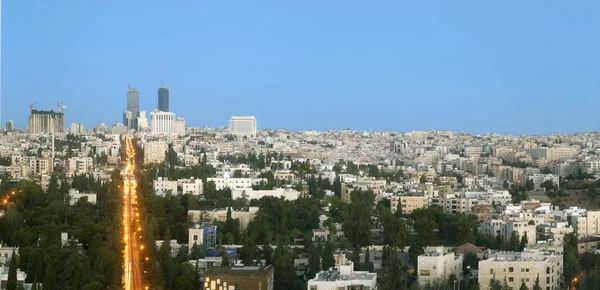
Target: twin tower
(132,116)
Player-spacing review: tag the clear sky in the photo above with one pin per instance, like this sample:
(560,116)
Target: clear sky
(478,66)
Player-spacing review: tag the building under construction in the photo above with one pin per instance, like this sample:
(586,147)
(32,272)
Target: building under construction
(46,121)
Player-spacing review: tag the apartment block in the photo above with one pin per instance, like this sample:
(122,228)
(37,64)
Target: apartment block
(437,264)
(521,267)
(408,203)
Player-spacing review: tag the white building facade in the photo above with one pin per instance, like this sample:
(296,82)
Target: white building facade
(243,125)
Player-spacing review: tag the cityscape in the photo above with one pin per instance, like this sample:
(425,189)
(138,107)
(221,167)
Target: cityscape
(238,207)
(313,145)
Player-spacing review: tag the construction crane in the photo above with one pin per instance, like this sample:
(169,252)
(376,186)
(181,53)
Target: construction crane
(31,107)
(61,108)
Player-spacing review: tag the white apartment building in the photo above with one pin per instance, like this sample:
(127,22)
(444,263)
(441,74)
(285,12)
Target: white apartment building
(243,125)
(436,265)
(588,224)
(75,196)
(76,128)
(80,165)
(539,178)
(288,194)
(180,126)
(193,187)
(155,152)
(232,183)
(454,203)
(162,186)
(473,151)
(343,276)
(521,267)
(162,122)
(495,227)
(142,121)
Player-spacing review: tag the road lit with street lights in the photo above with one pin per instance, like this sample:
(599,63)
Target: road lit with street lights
(132,231)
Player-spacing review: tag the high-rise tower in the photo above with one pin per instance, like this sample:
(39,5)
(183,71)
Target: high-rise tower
(163,97)
(133,101)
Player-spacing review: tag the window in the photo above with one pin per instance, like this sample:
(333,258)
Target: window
(511,279)
(547,270)
(195,237)
(511,269)
(527,270)
(547,280)
(491,271)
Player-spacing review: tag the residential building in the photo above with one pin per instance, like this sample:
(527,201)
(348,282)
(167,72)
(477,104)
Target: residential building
(521,267)
(79,165)
(437,264)
(76,128)
(202,236)
(249,277)
(588,224)
(408,203)
(287,193)
(163,186)
(343,276)
(155,152)
(40,166)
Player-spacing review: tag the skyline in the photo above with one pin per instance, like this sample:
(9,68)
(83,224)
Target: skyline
(475,67)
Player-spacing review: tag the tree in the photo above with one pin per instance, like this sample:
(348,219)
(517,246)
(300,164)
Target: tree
(237,286)
(536,285)
(327,259)
(524,242)
(505,184)
(529,185)
(11,283)
(314,262)
(523,286)
(495,284)
(367,265)
(423,179)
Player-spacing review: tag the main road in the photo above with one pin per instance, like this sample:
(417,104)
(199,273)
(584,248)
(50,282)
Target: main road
(132,274)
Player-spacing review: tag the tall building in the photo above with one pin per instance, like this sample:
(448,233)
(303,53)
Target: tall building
(10,126)
(46,122)
(142,121)
(162,122)
(243,125)
(133,106)
(76,128)
(128,120)
(133,101)
(180,126)
(163,98)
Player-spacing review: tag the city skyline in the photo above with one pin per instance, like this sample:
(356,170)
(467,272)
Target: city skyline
(417,66)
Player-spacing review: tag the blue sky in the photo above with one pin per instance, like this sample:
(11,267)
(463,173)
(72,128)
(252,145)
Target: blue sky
(478,66)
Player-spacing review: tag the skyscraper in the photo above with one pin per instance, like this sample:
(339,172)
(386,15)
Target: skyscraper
(133,101)
(133,106)
(163,98)
(10,125)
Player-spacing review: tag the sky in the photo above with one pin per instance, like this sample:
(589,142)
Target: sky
(512,67)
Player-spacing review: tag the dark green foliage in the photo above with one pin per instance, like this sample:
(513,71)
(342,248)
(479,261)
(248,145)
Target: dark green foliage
(11,283)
